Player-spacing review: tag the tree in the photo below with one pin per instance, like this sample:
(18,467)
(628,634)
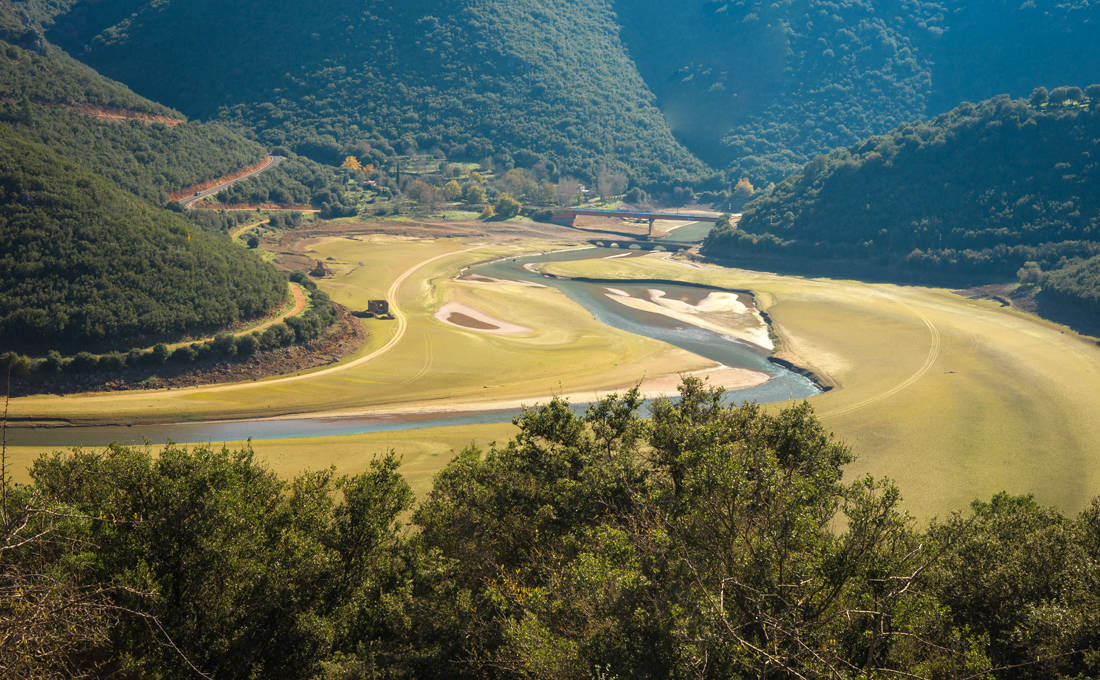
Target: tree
(1031,272)
(1093,93)
(567,191)
(452,190)
(710,533)
(636,197)
(610,183)
(1064,95)
(742,192)
(352,163)
(474,194)
(506,207)
(230,555)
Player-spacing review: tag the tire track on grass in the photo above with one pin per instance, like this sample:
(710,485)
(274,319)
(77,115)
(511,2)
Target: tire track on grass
(934,346)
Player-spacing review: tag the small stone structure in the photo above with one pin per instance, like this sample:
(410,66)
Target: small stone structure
(376,309)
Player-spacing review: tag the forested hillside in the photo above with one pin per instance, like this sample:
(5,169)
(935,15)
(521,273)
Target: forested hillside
(81,115)
(474,79)
(85,265)
(982,189)
(709,542)
(761,87)
(754,88)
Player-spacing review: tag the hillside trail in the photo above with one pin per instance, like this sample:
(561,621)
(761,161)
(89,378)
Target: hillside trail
(300,300)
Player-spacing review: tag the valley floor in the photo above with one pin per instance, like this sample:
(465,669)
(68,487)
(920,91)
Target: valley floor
(953,398)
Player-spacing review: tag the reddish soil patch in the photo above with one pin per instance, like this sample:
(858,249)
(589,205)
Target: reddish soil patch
(257,206)
(110,113)
(342,339)
(107,112)
(225,179)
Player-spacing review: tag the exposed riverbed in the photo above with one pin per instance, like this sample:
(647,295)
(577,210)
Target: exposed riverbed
(721,325)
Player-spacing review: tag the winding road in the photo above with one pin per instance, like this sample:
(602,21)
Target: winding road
(272,161)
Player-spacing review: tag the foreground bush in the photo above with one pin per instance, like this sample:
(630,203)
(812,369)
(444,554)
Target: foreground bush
(710,541)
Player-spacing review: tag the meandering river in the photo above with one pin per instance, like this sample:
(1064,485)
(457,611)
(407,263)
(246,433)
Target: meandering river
(782,383)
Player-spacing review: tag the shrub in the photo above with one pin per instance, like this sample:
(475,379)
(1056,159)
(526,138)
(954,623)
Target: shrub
(247,345)
(85,361)
(160,353)
(54,363)
(224,344)
(115,361)
(184,355)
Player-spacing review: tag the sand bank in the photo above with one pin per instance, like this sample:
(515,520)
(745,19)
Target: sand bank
(720,312)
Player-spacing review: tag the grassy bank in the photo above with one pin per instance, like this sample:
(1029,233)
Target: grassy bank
(954,398)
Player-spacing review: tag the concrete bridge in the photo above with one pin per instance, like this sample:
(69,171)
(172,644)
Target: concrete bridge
(629,244)
(568,217)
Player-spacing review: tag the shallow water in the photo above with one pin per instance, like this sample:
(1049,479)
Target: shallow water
(783,384)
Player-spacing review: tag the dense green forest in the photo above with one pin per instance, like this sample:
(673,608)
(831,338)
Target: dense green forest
(56,78)
(761,87)
(148,159)
(982,189)
(754,88)
(475,79)
(84,264)
(709,542)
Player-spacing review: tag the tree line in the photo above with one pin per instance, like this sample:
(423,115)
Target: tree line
(711,541)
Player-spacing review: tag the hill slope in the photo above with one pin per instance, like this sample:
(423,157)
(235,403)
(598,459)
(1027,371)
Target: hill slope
(84,264)
(752,86)
(144,147)
(761,87)
(983,188)
(472,78)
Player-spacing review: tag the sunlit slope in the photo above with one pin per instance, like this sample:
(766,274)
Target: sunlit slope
(980,190)
(956,399)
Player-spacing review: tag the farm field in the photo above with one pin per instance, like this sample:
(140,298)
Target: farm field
(955,399)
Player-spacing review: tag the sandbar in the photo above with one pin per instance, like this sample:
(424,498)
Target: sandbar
(720,312)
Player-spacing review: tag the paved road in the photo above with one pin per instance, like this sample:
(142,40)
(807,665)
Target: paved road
(271,163)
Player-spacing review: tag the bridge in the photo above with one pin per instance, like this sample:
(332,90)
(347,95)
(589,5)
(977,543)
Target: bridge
(628,244)
(568,217)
